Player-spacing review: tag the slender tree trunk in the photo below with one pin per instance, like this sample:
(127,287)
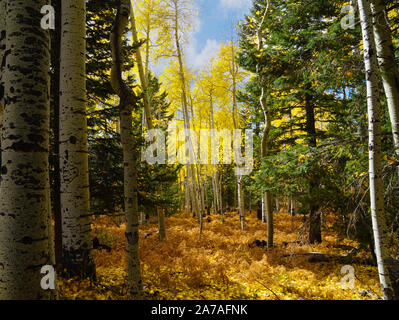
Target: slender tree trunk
(3,7)
(240,181)
(56,190)
(292,206)
(267,199)
(388,65)
(215,184)
(187,195)
(375,159)
(240,199)
(2,61)
(142,74)
(314,215)
(75,207)
(25,225)
(267,212)
(128,99)
(161,224)
(188,142)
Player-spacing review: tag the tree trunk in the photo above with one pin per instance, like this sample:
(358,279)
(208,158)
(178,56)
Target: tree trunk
(161,224)
(130,199)
(188,142)
(375,159)
(314,215)
(128,99)
(240,181)
(267,214)
(2,61)
(75,207)
(25,226)
(388,65)
(56,190)
(240,198)
(142,74)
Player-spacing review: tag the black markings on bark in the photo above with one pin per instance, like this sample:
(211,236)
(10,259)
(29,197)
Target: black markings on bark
(132,237)
(21,146)
(73,140)
(36,138)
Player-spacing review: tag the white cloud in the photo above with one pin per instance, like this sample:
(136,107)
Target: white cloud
(235,4)
(198,59)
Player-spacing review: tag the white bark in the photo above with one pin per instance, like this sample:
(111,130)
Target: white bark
(2,60)
(240,181)
(75,206)
(25,243)
(267,212)
(188,142)
(142,74)
(375,160)
(128,99)
(388,65)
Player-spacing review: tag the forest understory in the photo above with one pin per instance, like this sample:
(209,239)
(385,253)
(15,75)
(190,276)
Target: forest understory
(226,263)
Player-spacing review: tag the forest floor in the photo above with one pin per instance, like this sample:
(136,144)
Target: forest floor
(223,264)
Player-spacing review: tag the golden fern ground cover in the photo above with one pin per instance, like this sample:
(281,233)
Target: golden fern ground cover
(222,265)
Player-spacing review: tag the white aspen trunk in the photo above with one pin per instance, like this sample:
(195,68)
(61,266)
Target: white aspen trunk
(200,195)
(214,194)
(387,64)
(220,196)
(147,50)
(131,201)
(77,245)
(215,185)
(263,209)
(142,74)
(375,159)
(188,142)
(240,181)
(292,206)
(128,99)
(267,212)
(25,228)
(187,195)
(2,61)
(240,198)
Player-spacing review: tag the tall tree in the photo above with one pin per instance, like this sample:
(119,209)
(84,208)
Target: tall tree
(128,100)
(25,223)
(375,159)
(267,211)
(2,60)
(75,206)
(388,64)
(181,10)
(142,74)
(54,123)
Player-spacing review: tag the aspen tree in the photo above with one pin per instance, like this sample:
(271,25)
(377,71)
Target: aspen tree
(375,159)
(176,14)
(267,211)
(387,64)
(75,206)
(128,100)
(2,60)
(26,243)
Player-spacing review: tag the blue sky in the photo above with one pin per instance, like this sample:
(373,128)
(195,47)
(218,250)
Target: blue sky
(217,21)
